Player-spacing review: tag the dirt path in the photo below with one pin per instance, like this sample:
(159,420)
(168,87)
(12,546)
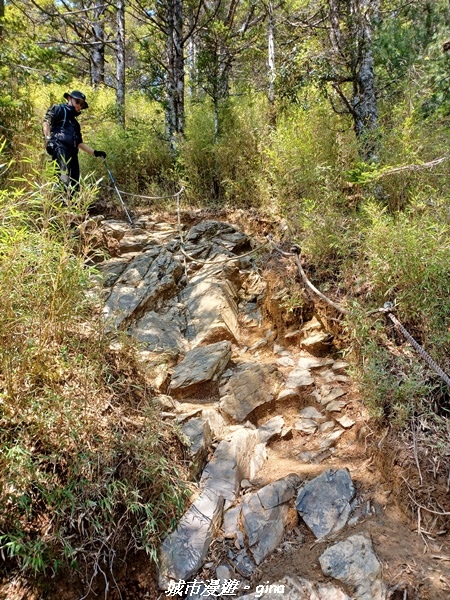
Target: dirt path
(414,566)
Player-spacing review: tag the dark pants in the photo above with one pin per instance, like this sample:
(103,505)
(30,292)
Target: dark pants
(69,167)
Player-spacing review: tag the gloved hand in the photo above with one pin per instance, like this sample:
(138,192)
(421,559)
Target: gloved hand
(50,147)
(99,153)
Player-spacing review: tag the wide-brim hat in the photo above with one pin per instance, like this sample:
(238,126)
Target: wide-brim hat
(78,95)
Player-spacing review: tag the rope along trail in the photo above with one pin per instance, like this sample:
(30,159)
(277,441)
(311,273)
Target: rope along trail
(387,309)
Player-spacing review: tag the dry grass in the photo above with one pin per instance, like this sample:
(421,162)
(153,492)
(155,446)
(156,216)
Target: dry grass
(89,472)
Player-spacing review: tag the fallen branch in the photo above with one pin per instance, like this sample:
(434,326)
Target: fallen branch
(308,284)
(419,167)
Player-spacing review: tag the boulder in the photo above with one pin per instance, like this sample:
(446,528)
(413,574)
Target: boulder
(159,332)
(200,365)
(324,502)
(239,457)
(354,562)
(211,304)
(147,283)
(264,515)
(182,552)
(198,432)
(249,386)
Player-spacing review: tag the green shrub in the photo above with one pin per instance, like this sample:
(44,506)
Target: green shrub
(229,170)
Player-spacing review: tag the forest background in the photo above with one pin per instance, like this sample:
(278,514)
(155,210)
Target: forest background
(330,115)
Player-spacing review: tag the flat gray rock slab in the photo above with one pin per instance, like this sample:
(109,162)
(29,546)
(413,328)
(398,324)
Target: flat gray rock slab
(335,405)
(239,457)
(198,432)
(340,365)
(345,421)
(354,562)
(327,426)
(133,242)
(111,270)
(328,376)
(159,332)
(116,229)
(324,502)
(310,412)
(272,427)
(264,515)
(288,394)
(317,342)
(147,283)
(330,438)
(306,425)
(299,378)
(182,553)
(328,395)
(200,365)
(230,523)
(211,304)
(296,588)
(211,233)
(285,361)
(215,421)
(310,456)
(249,386)
(313,362)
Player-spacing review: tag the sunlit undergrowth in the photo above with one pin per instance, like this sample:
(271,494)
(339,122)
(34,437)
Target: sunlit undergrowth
(403,258)
(88,472)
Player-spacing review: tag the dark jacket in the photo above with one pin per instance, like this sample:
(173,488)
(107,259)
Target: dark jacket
(64,127)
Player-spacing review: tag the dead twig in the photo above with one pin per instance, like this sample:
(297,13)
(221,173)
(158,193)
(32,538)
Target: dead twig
(430,510)
(416,454)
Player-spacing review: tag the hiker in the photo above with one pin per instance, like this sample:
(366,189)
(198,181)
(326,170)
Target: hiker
(63,138)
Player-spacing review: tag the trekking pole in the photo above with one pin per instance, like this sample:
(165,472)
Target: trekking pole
(118,193)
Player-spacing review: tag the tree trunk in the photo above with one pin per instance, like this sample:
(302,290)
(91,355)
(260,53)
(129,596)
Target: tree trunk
(364,100)
(216,119)
(175,73)
(351,29)
(192,61)
(120,63)
(2,14)
(271,55)
(98,51)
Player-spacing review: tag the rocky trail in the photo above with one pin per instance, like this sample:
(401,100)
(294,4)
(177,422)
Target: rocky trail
(292,498)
